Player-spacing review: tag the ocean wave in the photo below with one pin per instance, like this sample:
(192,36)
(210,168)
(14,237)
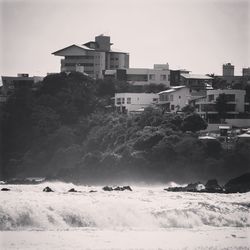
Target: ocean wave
(138,209)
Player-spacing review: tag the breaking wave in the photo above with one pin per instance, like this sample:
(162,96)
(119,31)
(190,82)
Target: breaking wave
(27,207)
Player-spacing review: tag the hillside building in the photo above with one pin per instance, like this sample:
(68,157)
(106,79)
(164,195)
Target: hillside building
(134,102)
(160,74)
(92,58)
(175,98)
(235,104)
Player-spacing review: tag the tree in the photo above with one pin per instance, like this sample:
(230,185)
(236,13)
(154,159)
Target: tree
(221,105)
(188,109)
(193,123)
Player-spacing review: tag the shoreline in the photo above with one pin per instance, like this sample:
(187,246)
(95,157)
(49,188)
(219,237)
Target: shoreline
(198,238)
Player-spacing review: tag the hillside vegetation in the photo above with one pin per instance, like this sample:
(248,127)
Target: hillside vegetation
(63,130)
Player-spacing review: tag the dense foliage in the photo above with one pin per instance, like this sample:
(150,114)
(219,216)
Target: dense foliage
(67,130)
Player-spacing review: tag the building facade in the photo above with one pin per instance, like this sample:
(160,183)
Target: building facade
(198,84)
(175,98)
(175,76)
(10,83)
(235,104)
(134,102)
(160,74)
(92,58)
(228,69)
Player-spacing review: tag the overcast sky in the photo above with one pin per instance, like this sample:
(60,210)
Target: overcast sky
(198,35)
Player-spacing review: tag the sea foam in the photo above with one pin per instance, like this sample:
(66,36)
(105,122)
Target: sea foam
(26,207)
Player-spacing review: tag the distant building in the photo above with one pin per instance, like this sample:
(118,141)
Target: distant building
(160,74)
(198,84)
(228,69)
(236,104)
(92,57)
(134,102)
(10,83)
(246,71)
(175,98)
(175,76)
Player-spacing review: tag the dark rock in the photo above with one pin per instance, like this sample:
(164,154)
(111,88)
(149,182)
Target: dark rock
(107,188)
(119,189)
(174,189)
(212,186)
(92,191)
(72,190)
(194,187)
(239,184)
(127,188)
(47,189)
(5,189)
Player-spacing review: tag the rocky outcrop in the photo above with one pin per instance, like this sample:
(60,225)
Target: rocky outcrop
(192,187)
(47,189)
(5,189)
(118,188)
(239,184)
(107,188)
(212,186)
(72,190)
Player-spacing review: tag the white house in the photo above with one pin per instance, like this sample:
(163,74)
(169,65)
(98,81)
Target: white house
(174,99)
(129,102)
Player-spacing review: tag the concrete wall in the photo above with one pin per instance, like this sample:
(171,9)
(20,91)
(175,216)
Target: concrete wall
(157,76)
(239,97)
(138,100)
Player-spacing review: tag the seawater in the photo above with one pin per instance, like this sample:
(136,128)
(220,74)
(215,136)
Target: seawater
(26,207)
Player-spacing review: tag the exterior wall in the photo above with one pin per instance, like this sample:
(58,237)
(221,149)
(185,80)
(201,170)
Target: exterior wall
(228,69)
(103,42)
(92,63)
(133,101)
(206,106)
(117,60)
(175,99)
(140,76)
(246,71)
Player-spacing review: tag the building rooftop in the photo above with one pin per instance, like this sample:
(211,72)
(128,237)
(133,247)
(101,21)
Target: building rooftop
(173,89)
(73,45)
(195,76)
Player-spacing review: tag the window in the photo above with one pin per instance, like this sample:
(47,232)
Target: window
(172,107)
(210,98)
(155,99)
(129,100)
(123,100)
(179,97)
(171,98)
(163,77)
(118,101)
(230,97)
(152,77)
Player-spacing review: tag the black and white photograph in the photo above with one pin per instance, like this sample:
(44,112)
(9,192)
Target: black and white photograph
(125,124)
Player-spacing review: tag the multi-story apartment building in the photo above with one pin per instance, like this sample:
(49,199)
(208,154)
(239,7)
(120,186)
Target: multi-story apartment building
(92,58)
(134,102)
(235,104)
(160,74)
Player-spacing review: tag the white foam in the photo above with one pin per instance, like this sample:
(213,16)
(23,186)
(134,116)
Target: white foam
(27,207)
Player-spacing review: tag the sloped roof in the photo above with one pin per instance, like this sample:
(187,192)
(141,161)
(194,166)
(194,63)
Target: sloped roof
(173,89)
(76,45)
(195,76)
